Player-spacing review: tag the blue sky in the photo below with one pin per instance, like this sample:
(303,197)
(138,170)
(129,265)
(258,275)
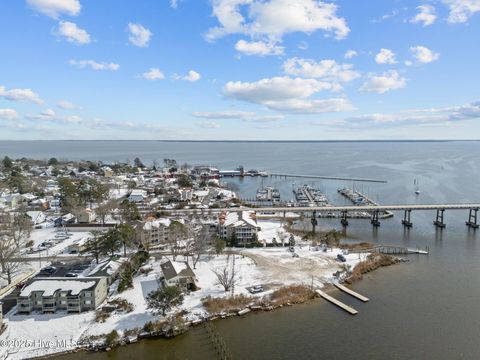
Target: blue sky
(239,69)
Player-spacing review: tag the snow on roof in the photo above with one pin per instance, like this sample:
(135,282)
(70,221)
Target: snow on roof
(156,223)
(138,192)
(201,193)
(171,269)
(50,286)
(239,219)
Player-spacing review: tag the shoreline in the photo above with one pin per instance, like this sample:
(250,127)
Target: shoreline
(328,288)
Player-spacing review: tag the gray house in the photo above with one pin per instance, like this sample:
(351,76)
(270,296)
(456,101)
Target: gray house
(178,273)
(48,295)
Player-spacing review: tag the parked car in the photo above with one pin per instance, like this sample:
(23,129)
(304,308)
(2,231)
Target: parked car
(256,289)
(341,258)
(71,274)
(49,269)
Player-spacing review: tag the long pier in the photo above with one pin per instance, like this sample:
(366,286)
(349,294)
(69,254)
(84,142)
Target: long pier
(282,175)
(334,301)
(373,209)
(352,293)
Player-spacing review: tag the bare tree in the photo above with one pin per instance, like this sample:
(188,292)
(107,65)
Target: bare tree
(9,252)
(17,227)
(177,232)
(226,275)
(282,236)
(14,233)
(106,209)
(201,239)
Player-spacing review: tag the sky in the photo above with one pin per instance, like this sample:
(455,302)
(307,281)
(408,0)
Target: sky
(239,69)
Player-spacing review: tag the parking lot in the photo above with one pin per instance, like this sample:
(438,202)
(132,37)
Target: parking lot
(60,270)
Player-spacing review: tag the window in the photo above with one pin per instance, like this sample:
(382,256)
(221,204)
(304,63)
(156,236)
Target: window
(88,302)
(87,294)
(39,302)
(63,302)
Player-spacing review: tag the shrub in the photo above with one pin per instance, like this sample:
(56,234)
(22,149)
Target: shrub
(293,294)
(101,316)
(112,338)
(218,305)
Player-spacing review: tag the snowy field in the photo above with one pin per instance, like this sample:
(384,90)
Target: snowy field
(271,267)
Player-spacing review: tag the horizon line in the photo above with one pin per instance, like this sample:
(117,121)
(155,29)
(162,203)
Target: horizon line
(243,140)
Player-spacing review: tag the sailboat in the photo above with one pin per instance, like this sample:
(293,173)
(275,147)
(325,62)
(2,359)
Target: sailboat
(417,187)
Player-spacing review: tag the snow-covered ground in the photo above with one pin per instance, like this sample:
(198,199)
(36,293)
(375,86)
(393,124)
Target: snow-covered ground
(39,236)
(271,267)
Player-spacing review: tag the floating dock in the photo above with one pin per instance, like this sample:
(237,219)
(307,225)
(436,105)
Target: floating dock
(351,292)
(341,305)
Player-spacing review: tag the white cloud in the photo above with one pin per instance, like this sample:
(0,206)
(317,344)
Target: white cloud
(274,18)
(67,105)
(326,69)
(51,115)
(174,3)
(385,56)
(390,80)
(461,10)
(153,74)
(426,15)
(95,65)
(419,116)
(192,76)
(72,33)
(350,54)
(260,48)
(20,95)
(287,94)
(8,114)
(208,125)
(386,16)
(308,106)
(238,115)
(424,55)
(139,35)
(54,8)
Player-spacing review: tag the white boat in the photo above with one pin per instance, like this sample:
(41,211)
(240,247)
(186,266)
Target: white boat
(417,187)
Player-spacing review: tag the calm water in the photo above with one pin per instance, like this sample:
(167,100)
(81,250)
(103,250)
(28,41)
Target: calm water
(427,308)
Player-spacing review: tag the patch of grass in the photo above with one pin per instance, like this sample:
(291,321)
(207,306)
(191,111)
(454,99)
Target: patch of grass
(101,316)
(293,294)
(373,262)
(232,303)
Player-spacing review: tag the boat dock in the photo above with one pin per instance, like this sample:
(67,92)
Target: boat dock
(334,301)
(351,292)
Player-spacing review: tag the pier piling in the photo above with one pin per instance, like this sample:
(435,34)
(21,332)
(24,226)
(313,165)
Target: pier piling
(472,219)
(439,219)
(406,218)
(375,222)
(344,220)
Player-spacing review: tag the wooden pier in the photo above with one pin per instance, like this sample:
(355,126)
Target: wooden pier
(334,301)
(352,293)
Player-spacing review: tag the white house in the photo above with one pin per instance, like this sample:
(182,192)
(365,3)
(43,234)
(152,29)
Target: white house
(240,227)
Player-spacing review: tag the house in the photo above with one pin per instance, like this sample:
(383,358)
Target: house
(107,172)
(240,227)
(48,295)
(85,216)
(38,217)
(68,219)
(177,273)
(137,196)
